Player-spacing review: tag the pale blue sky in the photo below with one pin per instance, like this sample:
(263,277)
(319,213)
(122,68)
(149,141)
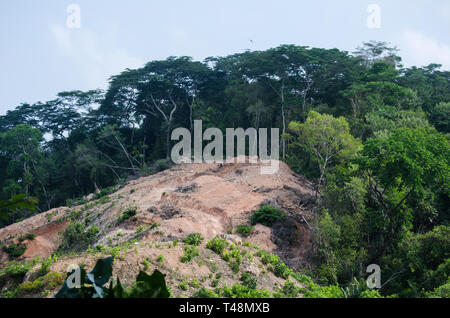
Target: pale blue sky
(40,56)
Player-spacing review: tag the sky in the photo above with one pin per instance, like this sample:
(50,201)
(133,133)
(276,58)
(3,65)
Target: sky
(44,50)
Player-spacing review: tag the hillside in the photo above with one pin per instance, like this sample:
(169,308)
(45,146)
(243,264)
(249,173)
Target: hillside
(208,199)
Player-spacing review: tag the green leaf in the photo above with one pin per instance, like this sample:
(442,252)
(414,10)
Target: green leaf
(147,286)
(102,271)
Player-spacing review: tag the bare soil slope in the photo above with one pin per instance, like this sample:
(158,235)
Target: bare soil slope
(209,199)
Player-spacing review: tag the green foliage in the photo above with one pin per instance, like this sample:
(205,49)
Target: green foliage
(104,192)
(93,284)
(194,239)
(127,214)
(205,293)
(78,237)
(218,245)
(440,117)
(244,230)
(160,258)
(326,138)
(289,290)
(249,280)
(241,291)
(440,292)
(45,266)
(423,263)
(16,269)
(28,236)
(189,253)
(18,201)
(183,286)
(277,265)
(15,250)
(379,202)
(48,281)
(267,215)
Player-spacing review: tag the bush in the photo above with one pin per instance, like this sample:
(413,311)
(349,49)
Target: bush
(28,236)
(279,268)
(189,253)
(15,250)
(267,215)
(440,292)
(160,258)
(217,245)
(183,286)
(104,192)
(47,282)
(244,230)
(194,239)
(127,214)
(76,237)
(45,266)
(205,293)
(16,269)
(289,290)
(249,280)
(241,291)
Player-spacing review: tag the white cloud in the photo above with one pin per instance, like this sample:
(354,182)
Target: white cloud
(95,60)
(419,49)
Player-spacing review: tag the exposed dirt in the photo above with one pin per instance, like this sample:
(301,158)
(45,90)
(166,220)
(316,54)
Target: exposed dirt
(209,199)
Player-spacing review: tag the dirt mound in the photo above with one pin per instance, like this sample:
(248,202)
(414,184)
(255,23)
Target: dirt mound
(209,199)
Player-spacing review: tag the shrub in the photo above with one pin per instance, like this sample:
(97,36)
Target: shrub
(146,264)
(316,291)
(281,270)
(205,293)
(48,282)
(160,258)
(183,286)
(45,266)
(194,239)
(194,283)
(104,192)
(76,237)
(235,268)
(267,215)
(249,280)
(244,230)
(241,291)
(189,253)
(16,269)
(28,236)
(217,245)
(15,250)
(127,214)
(289,290)
(278,267)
